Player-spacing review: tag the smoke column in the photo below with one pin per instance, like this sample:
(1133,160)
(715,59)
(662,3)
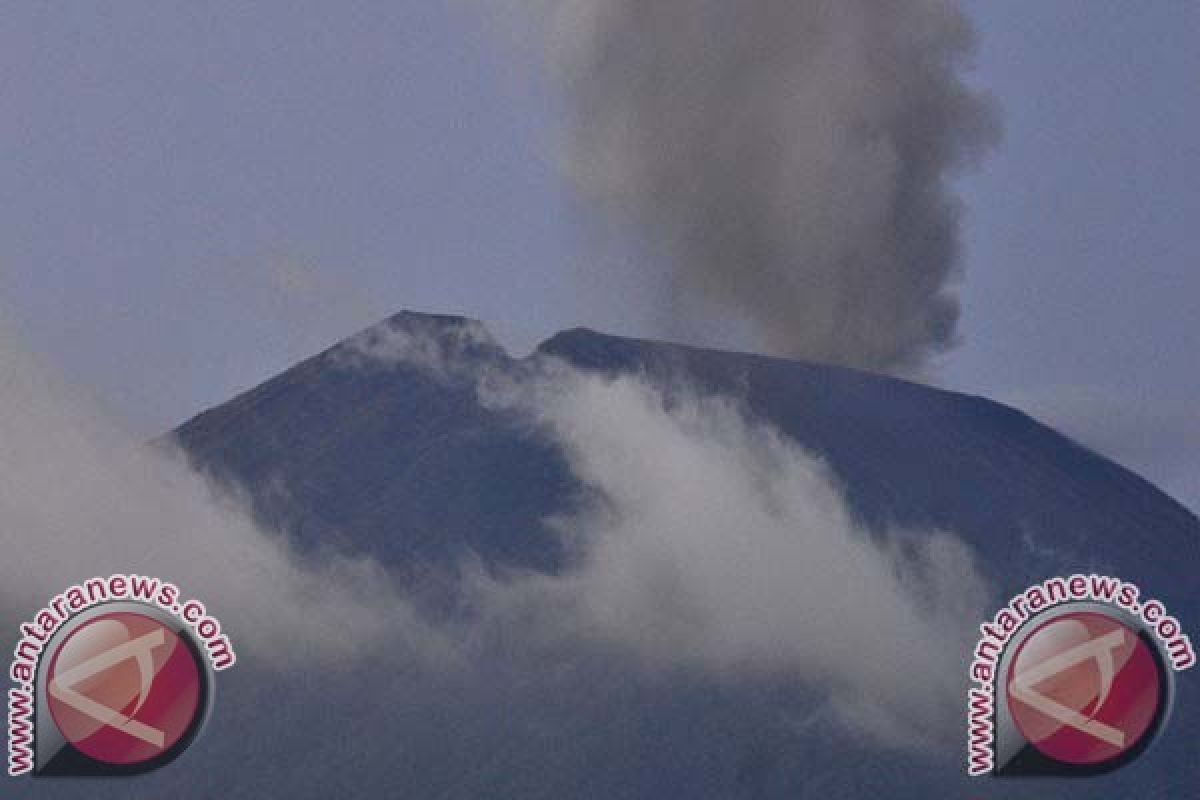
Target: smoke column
(791,158)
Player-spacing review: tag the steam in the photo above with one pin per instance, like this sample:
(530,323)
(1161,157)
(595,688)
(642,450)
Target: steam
(436,347)
(791,158)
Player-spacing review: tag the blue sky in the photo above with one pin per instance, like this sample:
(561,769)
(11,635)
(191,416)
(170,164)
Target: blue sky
(193,198)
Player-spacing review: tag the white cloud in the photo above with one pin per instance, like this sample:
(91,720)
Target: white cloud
(710,543)
(80,498)
(714,542)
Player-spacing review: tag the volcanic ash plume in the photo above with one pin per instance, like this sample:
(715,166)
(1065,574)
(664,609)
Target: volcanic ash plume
(792,158)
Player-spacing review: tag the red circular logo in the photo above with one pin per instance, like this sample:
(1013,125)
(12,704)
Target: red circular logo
(1084,688)
(124,688)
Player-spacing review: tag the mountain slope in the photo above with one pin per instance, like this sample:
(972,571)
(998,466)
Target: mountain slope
(386,458)
(387,451)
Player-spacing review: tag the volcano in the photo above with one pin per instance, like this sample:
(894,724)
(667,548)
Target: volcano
(397,458)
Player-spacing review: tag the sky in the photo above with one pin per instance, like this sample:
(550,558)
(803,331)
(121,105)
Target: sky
(191,199)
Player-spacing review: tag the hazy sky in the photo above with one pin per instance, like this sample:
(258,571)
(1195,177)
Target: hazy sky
(193,198)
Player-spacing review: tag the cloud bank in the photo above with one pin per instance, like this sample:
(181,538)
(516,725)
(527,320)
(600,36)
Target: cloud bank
(79,497)
(713,542)
(719,592)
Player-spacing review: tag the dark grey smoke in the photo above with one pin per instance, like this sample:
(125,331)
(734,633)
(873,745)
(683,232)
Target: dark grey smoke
(791,157)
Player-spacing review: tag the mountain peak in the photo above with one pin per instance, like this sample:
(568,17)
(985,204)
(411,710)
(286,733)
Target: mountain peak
(363,431)
(383,447)
(406,318)
(431,341)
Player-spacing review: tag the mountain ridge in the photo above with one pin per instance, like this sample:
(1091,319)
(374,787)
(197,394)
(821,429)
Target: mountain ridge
(380,446)
(573,344)
(870,428)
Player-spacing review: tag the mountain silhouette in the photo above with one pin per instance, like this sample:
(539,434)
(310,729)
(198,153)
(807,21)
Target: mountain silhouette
(399,460)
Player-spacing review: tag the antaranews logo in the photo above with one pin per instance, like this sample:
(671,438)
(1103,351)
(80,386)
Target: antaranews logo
(1073,677)
(113,677)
